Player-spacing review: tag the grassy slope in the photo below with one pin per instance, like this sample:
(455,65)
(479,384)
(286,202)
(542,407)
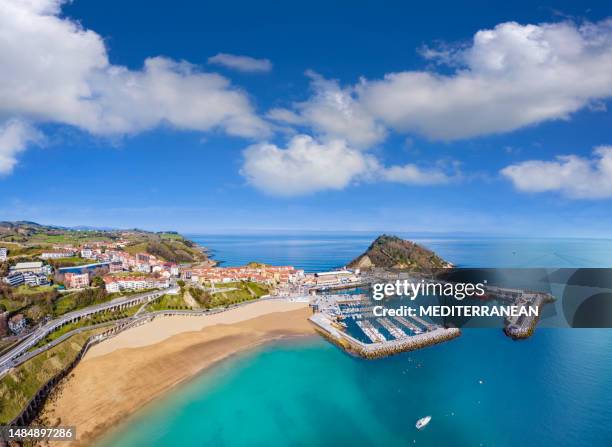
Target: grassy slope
(20,385)
(27,290)
(246,291)
(11,305)
(70,302)
(72,261)
(167,302)
(174,249)
(18,250)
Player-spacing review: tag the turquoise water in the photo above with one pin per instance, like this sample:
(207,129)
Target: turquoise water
(553,389)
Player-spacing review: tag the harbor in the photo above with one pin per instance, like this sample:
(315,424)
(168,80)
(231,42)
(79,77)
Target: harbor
(347,321)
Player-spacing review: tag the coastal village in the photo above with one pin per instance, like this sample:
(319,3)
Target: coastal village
(103,286)
(119,271)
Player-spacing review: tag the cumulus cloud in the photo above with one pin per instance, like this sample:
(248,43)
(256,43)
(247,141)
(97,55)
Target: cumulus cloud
(53,70)
(176,93)
(508,77)
(304,166)
(511,76)
(411,174)
(241,63)
(573,176)
(307,166)
(333,112)
(15,135)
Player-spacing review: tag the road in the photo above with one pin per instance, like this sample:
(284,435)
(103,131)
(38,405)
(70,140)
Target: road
(7,360)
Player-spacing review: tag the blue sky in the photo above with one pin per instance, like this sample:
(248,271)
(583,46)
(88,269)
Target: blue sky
(326,116)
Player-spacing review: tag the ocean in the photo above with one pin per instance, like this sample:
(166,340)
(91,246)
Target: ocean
(320,252)
(481,389)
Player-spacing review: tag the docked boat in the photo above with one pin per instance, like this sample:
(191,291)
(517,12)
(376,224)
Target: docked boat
(423,422)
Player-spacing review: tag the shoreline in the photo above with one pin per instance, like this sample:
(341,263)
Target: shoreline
(106,434)
(114,383)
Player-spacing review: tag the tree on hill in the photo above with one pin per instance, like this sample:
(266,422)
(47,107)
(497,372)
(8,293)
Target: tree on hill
(97,281)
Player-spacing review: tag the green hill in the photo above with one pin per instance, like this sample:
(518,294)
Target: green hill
(29,239)
(392,252)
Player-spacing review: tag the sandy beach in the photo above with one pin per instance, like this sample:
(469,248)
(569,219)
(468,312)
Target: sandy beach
(121,375)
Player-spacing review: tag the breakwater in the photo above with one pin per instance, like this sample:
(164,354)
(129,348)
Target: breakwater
(522,327)
(326,327)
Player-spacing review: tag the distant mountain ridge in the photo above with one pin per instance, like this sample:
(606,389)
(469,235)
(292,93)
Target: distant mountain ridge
(392,252)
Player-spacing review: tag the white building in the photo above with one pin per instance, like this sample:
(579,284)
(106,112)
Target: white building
(57,255)
(144,268)
(30,279)
(3,254)
(112,287)
(87,252)
(15,279)
(33,267)
(35,279)
(17,323)
(334,276)
(115,284)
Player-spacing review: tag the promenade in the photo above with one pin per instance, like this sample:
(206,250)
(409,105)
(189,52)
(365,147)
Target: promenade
(11,358)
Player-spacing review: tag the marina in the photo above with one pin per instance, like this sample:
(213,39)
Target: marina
(348,321)
(371,332)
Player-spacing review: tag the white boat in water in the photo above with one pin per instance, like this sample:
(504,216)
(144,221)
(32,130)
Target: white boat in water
(423,422)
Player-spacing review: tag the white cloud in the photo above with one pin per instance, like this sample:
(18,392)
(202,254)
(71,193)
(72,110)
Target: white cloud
(170,92)
(14,138)
(46,63)
(307,166)
(511,76)
(285,116)
(241,63)
(53,70)
(413,175)
(333,113)
(573,176)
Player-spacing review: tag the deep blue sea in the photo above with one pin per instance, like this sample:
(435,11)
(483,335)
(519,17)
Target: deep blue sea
(318,252)
(482,389)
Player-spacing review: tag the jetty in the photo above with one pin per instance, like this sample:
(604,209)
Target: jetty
(392,328)
(409,324)
(371,332)
(523,326)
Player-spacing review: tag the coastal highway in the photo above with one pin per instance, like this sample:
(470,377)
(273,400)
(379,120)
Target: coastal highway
(21,353)
(31,354)
(7,360)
